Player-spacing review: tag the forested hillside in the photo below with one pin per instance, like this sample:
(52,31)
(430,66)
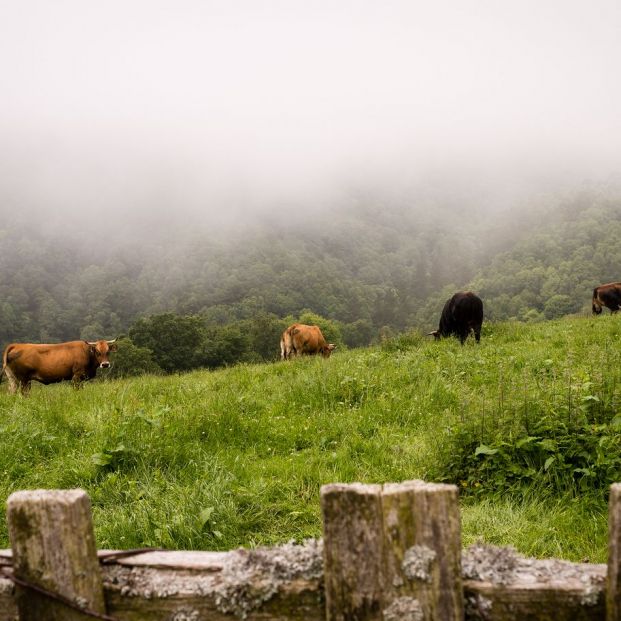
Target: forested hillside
(562,247)
(373,266)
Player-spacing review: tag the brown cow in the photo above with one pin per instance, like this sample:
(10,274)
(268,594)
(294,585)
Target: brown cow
(48,364)
(607,295)
(299,339)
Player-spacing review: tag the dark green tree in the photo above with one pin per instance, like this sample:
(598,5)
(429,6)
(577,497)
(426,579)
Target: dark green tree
(175,340)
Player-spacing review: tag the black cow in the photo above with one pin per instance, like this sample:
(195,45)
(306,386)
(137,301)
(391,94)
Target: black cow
(461,314)
(607,295)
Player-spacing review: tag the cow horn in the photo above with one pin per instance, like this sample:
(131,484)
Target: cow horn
(91,342)
(112,341)
(432,333)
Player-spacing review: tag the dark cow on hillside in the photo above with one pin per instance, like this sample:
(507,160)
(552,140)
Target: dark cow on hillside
(299,339)
(461,314)
(76,360)
(607,295)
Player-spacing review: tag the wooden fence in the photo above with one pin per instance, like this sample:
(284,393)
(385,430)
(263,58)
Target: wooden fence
(389,553)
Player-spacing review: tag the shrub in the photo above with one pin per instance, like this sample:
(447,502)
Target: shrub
(132,360)
(554,456)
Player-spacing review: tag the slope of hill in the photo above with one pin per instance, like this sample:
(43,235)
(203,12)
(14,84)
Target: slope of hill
(525,423)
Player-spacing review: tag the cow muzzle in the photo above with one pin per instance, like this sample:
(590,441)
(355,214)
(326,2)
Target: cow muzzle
(104,365)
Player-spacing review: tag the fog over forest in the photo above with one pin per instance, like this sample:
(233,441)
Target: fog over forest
(214,169)
(130,116)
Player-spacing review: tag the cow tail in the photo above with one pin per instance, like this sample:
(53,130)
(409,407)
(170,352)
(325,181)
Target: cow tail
(285,345)
(5,360)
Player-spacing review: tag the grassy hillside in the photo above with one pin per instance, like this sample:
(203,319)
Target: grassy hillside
(526,424)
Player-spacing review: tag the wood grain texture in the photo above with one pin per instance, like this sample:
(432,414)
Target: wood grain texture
(353,551)
(53,542)
(422,548)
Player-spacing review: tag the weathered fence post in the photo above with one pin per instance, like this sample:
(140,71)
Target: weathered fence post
(422,538)
(613,587)
(352,539)
(392,553)
(53,543)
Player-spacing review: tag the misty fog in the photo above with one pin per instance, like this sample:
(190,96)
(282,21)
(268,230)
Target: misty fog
(129,116)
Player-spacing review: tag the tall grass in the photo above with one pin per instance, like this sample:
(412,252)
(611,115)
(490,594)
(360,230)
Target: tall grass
(213,460)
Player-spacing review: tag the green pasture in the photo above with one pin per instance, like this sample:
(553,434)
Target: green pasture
(527,424)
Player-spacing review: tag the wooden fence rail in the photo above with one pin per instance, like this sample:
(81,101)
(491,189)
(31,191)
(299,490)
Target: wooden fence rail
(389,553)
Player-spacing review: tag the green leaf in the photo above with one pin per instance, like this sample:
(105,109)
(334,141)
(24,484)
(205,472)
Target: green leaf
(205,516)
(527,440)
(549,462)
(547,444)
(101,459)
(589,398)
(586,471)
(485,450)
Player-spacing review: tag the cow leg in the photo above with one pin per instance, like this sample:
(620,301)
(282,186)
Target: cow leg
(13,384)
(477,334)
(77,380)
(25,387)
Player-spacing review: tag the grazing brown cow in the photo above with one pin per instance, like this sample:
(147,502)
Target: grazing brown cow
(48,364)
(299,339)
(461,314)
(607,295)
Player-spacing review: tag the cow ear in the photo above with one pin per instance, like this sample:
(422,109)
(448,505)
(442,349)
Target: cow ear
(114,347)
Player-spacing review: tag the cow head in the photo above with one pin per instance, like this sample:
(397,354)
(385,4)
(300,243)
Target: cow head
(597,309)
(100,350)
(327,350)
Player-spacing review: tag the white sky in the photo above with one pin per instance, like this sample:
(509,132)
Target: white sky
(120,105)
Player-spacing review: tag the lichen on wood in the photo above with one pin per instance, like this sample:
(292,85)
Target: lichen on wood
(404,609)
(417,563)
(249,578)
(266,583)
(502,585)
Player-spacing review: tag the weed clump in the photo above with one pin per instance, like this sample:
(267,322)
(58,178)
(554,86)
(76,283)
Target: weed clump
(554,455)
